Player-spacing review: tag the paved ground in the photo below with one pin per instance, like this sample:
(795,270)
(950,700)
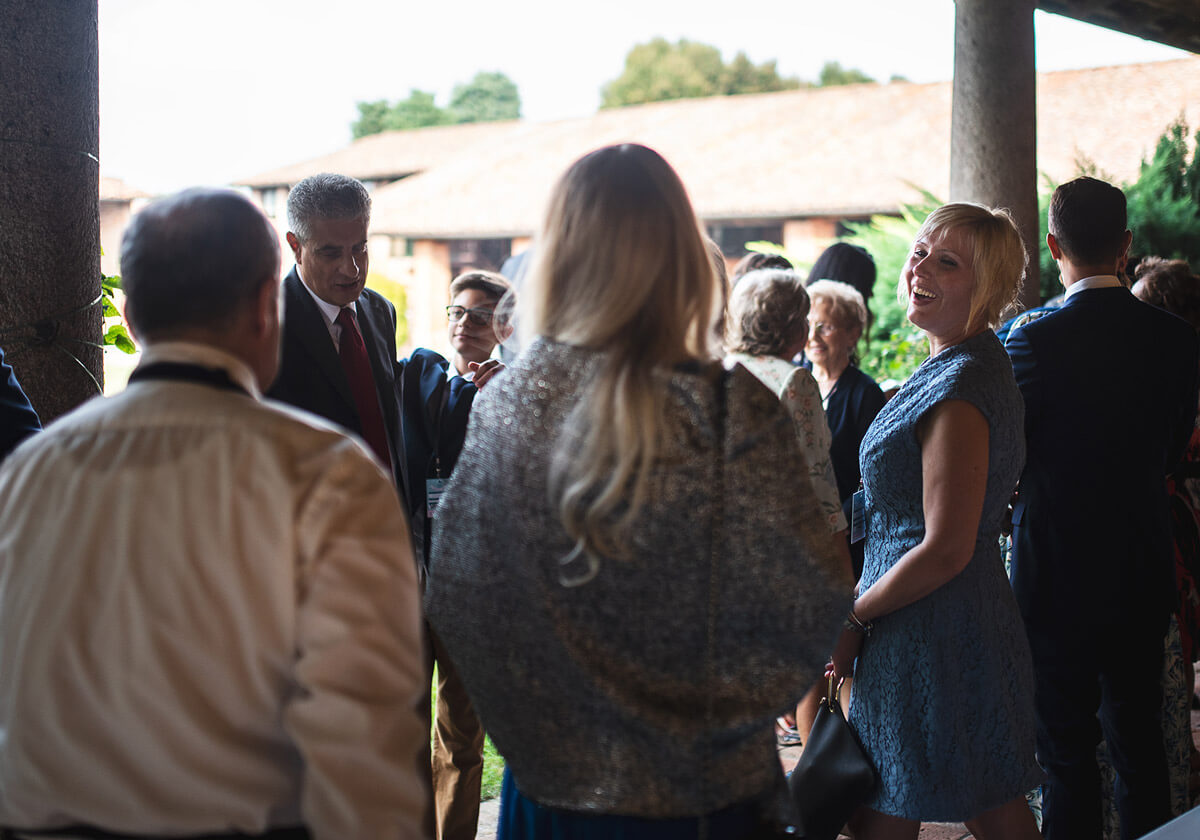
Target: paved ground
(788,756)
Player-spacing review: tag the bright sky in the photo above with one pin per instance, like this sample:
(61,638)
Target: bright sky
(210,92)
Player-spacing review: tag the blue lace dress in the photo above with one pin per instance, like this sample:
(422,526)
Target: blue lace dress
(943,694)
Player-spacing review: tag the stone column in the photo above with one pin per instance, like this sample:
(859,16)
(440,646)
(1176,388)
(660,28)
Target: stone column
(993,138)
(49,200)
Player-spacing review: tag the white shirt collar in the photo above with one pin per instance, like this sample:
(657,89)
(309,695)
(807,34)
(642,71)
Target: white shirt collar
(328,310)
(205,355)
(1098,281)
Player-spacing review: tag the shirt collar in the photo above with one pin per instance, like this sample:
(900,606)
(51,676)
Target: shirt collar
(204,355)
(1098,281)
(328,310)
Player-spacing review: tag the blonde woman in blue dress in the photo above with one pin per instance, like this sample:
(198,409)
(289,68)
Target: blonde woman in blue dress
(943,689)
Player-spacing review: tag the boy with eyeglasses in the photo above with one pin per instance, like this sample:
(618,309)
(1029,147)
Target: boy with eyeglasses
(436,394)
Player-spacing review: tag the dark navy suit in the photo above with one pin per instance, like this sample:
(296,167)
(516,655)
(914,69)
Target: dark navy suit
(435,410)
(18,420)
(1110,388)
(311,375)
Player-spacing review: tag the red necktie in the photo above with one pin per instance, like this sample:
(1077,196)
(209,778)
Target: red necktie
(353,354)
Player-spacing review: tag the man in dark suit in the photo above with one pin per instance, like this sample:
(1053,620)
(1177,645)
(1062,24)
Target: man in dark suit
(437,395)
(339,337)
(1110,389)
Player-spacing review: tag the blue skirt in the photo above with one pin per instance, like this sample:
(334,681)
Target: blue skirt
(523,819)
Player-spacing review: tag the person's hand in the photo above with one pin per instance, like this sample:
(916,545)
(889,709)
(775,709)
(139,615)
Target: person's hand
(845,651)
(484,371)
(1006,523)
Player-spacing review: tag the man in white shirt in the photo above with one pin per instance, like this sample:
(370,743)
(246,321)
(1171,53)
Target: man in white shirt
(209,622)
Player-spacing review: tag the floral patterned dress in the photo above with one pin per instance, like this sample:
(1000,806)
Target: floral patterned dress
(801,396)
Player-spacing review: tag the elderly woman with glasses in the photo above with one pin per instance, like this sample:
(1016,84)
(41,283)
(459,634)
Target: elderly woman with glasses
(851,398)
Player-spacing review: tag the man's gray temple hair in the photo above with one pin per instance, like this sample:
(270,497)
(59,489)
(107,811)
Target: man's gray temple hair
(326,196)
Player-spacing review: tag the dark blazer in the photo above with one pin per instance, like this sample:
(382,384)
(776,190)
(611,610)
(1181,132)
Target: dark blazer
(1110,388)
(435,411)
(310,372)
(18,420)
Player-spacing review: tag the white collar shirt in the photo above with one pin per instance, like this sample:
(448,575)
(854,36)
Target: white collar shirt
(209,620)
(329,312)
(1098,281)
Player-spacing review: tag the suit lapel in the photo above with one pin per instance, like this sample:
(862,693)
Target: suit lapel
(308,326)
(433,387)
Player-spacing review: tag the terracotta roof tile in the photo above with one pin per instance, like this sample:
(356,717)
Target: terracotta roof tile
(390,155)
(842,152)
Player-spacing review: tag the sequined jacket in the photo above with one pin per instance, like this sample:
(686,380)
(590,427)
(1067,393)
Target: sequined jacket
(651,689)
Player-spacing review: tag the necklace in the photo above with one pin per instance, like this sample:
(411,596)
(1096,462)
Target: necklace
(826,393)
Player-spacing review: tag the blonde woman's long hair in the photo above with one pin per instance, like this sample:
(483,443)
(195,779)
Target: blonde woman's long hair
(621,266)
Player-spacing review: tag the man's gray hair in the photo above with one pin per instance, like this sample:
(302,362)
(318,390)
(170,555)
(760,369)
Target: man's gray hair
(326,196)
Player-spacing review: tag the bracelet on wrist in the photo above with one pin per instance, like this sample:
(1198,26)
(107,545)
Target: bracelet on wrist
(853,622)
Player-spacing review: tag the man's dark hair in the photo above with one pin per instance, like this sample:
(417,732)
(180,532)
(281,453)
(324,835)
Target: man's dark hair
(1087,217)
(756,260)
(326,196)
(194,259)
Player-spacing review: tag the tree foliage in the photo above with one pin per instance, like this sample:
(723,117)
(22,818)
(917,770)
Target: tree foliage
(659,70)
(833,73)
(1163,204)
(1164,215)
(486,98)
(489,97)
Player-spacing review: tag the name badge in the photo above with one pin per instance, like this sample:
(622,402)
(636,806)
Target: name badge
(858,516)
(434,488)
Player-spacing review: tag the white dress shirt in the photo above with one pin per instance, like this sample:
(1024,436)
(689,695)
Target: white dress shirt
(208,620)
(329,312)
(1098,281)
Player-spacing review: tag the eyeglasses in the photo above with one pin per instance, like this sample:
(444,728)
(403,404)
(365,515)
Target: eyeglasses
(478,317)
(821,328)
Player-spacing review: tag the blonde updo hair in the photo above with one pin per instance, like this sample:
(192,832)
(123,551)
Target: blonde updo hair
(998,263)
(621,266)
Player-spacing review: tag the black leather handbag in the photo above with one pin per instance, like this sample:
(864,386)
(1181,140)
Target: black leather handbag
(834,775)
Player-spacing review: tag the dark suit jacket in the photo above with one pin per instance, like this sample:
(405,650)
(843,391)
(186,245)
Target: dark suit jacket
(434,421)
(1110,388)
(310,372)
(18,420)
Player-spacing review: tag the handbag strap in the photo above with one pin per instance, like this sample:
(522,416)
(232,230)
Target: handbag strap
(833,694)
